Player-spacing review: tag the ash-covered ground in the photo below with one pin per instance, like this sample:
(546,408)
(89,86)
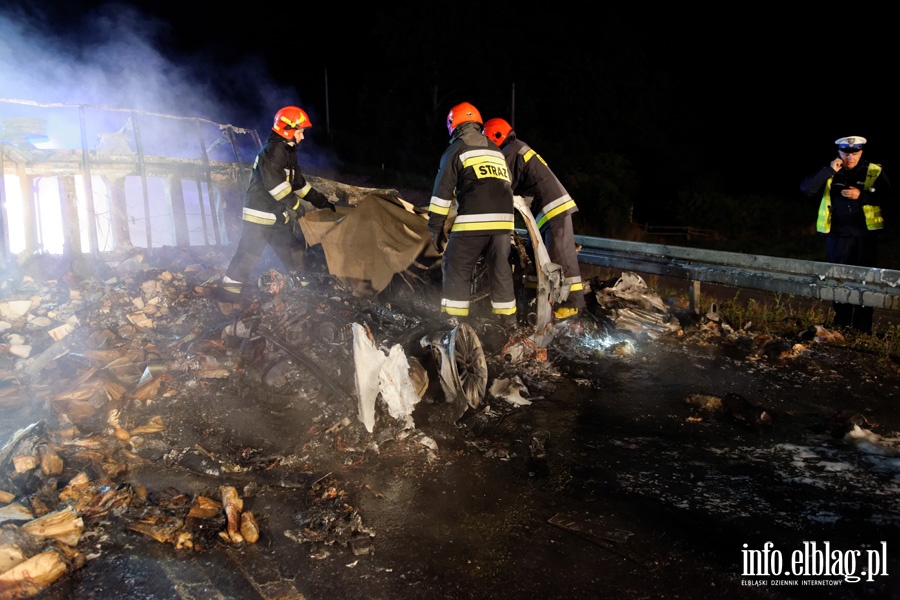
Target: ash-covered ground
(645,452)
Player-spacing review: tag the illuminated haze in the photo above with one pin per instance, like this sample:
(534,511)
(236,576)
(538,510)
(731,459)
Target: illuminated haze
(113,56)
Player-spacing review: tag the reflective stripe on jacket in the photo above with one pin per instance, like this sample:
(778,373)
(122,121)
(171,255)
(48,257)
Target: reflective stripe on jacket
(532,176)
(276,183)
(474,172)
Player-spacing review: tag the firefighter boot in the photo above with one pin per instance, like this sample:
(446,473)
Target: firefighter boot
(230,290)
(564,312)
(508,323)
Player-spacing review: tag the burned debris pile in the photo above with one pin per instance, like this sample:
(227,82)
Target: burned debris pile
(136,403)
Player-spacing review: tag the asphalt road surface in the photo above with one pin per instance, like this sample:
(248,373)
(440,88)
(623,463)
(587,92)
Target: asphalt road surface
(707,463)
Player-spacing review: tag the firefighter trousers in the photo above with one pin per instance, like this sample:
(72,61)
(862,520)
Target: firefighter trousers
(289,249)
(458,266)
(559,239)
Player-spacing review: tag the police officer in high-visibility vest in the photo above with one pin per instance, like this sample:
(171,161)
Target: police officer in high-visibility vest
(852,192)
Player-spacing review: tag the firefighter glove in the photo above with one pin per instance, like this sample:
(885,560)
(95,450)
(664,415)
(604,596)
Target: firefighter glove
(293,215)
(318,199)
(438,240)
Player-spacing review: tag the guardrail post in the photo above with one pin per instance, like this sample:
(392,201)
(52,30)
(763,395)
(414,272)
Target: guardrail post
(695,297)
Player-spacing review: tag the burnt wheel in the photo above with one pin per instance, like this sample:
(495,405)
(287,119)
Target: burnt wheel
(469,364)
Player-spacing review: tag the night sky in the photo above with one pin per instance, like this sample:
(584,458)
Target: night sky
(740,100)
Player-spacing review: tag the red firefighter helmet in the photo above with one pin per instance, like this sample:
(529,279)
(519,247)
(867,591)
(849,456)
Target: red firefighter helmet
(462,113)
(497,130)
(288,119)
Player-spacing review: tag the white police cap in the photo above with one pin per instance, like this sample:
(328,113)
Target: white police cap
(854,142)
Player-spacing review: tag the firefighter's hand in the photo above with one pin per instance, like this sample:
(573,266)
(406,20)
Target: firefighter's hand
(294,214)
(438,240)
(318,199)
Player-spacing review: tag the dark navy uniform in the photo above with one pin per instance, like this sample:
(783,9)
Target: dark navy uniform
(851,226)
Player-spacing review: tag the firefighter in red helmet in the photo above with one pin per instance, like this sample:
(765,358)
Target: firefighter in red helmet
(532,177)
(273,197)
(472,171)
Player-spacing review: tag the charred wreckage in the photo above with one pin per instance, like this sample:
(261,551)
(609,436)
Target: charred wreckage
(97,357)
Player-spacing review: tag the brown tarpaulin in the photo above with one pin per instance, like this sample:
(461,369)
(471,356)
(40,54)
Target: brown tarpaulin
(367,245)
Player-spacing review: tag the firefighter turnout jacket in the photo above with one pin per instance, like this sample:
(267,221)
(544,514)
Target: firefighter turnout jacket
(474,174)
(473,171)
(276,184)
(553,207)
(532,177)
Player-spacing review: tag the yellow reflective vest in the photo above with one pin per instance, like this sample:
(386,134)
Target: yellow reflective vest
(874,220)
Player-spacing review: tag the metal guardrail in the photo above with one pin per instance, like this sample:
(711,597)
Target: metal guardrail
(685,232)
(866,286)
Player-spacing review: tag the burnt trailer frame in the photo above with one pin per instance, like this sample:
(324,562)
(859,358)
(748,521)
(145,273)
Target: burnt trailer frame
(128,145)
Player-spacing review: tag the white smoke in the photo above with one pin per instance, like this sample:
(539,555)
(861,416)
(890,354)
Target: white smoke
(113,78)
(114,56)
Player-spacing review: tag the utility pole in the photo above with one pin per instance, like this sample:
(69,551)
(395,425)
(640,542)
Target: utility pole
(327,109)
(512,112)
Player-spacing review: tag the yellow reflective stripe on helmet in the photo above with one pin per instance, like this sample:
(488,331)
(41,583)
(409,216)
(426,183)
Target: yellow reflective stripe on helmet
(295,123)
